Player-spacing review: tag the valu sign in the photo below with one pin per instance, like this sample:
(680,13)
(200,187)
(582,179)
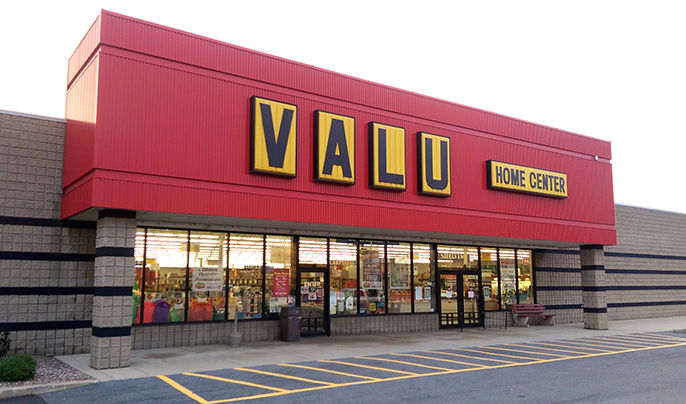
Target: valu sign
(274,139)
(512,177)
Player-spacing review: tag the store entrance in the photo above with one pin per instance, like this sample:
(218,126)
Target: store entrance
(459,304)
(313,300)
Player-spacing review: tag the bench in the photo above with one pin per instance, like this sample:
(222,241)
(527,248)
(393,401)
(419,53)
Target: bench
(522,312)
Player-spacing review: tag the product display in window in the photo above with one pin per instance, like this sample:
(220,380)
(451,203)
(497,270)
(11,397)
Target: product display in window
(343,276)
(372,299)
(188,275)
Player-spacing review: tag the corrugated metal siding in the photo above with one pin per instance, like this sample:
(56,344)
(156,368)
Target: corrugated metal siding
(173,137)
(155,40)
(231,201)
(82,53)
(81,111)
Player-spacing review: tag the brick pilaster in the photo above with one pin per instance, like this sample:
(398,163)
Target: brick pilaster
(112,284)
(593,287)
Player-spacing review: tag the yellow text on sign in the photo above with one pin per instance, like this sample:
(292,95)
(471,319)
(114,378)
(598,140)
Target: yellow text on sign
(273,147)
(334,147)
(387,148)
(512,177)
(433,157)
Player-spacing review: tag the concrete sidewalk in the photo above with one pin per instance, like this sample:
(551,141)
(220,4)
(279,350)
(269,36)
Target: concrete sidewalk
(165,361)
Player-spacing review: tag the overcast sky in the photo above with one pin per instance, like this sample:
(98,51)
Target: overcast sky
(615,70)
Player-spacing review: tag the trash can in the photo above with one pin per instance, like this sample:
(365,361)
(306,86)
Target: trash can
(290,324)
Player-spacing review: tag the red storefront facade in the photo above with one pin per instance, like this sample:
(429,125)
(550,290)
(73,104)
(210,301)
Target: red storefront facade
(158,120)
(179,142)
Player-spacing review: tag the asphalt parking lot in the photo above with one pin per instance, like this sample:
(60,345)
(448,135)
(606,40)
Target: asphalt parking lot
(344,379)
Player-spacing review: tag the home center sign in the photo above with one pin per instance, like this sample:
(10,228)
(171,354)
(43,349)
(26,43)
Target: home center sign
(516,178)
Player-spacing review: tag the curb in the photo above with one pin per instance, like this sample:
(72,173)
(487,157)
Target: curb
(8,392)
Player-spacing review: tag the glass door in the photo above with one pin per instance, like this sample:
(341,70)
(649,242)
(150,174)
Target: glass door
(469,291)
(449,302)
(460,304)
(312,298)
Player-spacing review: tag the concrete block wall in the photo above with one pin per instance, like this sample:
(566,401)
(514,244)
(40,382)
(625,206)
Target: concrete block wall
(112,289)
(646,271)
(558,283)
(46,265)
(359,325)
(190,334)
(497,319)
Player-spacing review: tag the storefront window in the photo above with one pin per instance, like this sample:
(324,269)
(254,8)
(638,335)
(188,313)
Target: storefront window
(246,253)
(399,293)
(207,276)
(165,276)
(424,301)
(524,276)
(458,258)
(372,299)
(279,273)
(507,272)
(181,275)
(343,277)
(139,254)
(489,278)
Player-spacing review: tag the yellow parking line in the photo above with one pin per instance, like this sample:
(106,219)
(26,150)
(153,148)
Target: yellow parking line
(598,343)
(437,359)
(670,337)
(622,340)
(471,357)
(328,371)
(572,346)
(602,342)
(369,367)
(573,343)
(414,375)
(315,388)
(634,339)
(529,352)
(223,379)
(498,354)
(550,349)
(401,362)
(302,379)
(654,338)
(182,389)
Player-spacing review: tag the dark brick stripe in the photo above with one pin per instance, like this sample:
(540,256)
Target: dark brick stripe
(595,310)
(604,288)
(562,306)
(590,247)
(593,288)
(592,267)
(644,271)
(36,221)
(121,214)
(47,290)
(640,304)
(550,269)
(650,256)
(642,287)
(112,291)
(108,332)
(45,325)
(114,252)
(42,256)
